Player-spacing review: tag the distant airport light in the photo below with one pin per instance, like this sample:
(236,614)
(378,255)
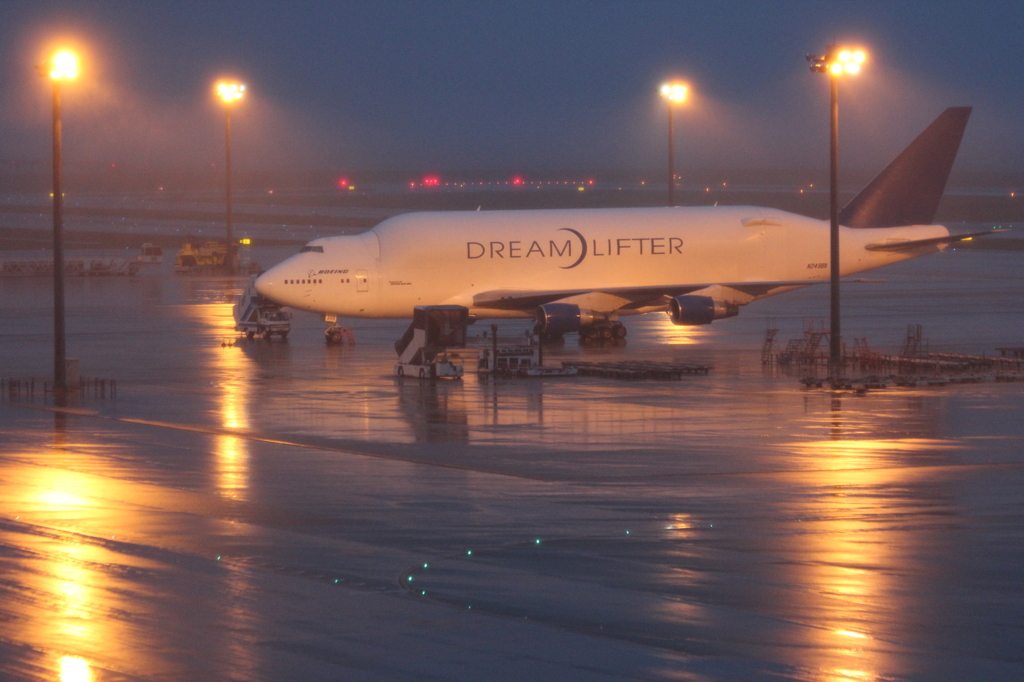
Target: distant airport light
(65,66)
(230,92)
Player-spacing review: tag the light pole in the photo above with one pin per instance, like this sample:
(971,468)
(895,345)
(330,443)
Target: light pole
(674,92)
(836,62)
(229,93)
(63,66)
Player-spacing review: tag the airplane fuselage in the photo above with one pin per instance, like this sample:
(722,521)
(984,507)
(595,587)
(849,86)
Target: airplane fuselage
(470,258)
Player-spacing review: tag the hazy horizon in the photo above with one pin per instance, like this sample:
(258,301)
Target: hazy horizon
(522,86)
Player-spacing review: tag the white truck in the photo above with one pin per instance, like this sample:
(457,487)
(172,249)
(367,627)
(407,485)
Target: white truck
(256,316)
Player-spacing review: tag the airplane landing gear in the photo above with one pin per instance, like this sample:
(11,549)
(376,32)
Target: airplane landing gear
(611,333)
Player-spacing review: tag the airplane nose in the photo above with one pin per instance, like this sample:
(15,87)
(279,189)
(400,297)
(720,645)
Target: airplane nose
(266,283)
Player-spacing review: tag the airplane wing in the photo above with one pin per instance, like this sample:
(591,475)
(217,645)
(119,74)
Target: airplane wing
(908,245)
(636,297)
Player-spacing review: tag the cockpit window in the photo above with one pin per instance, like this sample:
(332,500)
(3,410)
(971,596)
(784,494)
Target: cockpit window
(314,249)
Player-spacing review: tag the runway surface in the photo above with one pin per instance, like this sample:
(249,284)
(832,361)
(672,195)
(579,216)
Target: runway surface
(288,511)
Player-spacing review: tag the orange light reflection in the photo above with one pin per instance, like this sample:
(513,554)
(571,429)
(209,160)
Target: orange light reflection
(845,562)
(231,372)
(666,333)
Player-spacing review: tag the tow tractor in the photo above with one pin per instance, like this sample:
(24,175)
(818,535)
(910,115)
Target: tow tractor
(255,315)
(335,335)
(424,349)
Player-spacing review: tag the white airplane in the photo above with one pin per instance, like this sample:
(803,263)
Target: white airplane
(579,270)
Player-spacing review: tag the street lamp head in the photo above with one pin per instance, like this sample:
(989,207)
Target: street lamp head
(229,93)
(64,66)
(675,91)
(837,62)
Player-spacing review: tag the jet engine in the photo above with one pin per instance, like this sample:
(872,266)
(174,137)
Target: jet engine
(555,319)
(693,310)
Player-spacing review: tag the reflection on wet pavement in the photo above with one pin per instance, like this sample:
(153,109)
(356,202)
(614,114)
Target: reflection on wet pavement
(268,510)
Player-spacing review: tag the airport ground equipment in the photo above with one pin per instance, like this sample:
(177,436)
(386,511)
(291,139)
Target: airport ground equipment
(336,335)
(151,254)
(424,351)
(508,356)
(196,257)
(517,356)
(257,316)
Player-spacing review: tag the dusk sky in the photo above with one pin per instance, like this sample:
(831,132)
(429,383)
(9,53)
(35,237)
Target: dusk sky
(508,85)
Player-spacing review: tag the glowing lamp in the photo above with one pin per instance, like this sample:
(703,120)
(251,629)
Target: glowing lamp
(229,93)
(64,66)
(675,91)
(837,62)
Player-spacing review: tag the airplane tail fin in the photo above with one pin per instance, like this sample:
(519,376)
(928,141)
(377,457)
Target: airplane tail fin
(908,191)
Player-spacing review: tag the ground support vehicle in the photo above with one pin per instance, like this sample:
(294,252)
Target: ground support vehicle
(256,316)
(424,351)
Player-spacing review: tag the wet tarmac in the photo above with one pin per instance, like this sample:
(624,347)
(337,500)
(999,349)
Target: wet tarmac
(289,511)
